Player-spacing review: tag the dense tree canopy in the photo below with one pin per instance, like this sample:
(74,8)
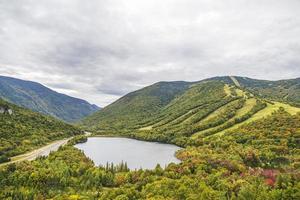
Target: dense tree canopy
(258,161)
(24,130)
(237,145)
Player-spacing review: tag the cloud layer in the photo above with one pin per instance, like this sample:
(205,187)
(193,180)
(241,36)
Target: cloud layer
(100,50)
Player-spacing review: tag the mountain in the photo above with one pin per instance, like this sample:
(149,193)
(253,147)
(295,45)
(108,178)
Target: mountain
(237,143)
(145,109)
(22,130)
(282,90)
(174,111)
(39,98)
(136,105)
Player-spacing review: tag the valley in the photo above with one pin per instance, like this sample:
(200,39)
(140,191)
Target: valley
(236,143)
(150,100)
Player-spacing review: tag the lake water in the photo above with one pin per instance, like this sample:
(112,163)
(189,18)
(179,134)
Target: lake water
(138,154)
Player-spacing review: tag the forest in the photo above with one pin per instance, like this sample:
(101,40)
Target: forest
(236,145)
(258,161)
(24,130)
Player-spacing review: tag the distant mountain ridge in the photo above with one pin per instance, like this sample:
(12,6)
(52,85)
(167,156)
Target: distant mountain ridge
(37,97)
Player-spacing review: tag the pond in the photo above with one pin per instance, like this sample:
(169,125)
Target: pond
(137,154)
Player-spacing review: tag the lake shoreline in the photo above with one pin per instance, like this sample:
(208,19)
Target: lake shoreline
(128,137)
(134,152)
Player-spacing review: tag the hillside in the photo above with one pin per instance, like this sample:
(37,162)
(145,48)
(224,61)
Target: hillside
(39,98)
(133,107)
(283,90)
(192,109)
(22,130)
(256,160)
(240,140)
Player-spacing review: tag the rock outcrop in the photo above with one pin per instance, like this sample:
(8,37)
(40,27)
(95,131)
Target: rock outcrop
(6,110)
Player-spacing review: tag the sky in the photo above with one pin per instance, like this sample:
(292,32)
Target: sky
(99,50)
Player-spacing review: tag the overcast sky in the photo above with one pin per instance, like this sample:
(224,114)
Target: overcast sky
(99,50)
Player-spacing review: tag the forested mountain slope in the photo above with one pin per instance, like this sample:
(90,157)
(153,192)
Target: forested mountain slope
(240,138)
(137,105)
(260,160)
(39,98)
(236,145)
(282,90)
(230,100)
(23,130)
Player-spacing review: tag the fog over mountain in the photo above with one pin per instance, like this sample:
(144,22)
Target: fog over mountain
(101,50)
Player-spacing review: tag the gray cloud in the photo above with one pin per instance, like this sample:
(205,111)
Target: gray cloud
(100,50)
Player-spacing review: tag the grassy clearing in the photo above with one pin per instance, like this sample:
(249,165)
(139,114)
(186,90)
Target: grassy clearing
(219,112)
(147,128)
(290,109)
(245,109)
(195,135)
(188,108)
(187,119)
(227,90)
(235,81)
(272,108)
(264,113)
(183,118)
(240,93)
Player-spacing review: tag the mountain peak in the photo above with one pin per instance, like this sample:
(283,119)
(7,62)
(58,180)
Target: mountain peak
(38,97)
